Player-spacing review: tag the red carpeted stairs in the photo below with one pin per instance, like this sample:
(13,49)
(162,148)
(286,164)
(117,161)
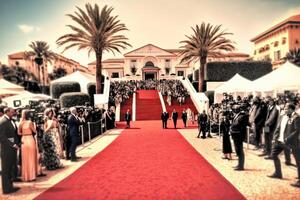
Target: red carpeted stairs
(145,162)
(124,106)
(148,105)
(188,104)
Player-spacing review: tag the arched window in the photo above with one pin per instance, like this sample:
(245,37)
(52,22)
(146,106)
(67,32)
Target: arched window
(149,64)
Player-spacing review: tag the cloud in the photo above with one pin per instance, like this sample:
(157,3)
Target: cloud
(27,28)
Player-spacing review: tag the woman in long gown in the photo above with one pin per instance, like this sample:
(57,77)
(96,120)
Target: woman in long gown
(51,158)
(224,128)
(28,147)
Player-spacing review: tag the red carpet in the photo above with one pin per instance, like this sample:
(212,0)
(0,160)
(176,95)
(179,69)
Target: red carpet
(145,162)
(188,104)
(127,104)
(148,105)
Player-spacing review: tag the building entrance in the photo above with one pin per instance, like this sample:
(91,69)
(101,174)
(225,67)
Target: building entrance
(150,75)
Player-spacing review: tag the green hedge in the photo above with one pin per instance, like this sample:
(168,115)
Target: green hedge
(68,100)
(91,88)
(57,89)
(223,71)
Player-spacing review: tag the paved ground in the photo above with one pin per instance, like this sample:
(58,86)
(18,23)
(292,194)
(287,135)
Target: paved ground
(252,182)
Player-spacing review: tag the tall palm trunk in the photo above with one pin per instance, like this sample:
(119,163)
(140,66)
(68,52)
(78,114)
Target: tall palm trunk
(201,74)
(39,72)
(98,72)
(43,77)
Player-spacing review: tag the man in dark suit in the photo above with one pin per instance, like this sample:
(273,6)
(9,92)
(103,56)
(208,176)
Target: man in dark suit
(164,118)
(128,118)
(73,134)
(174,117)
(287,134)
(202,123)
(270,124)
(184,117)
(9,146)
(258,113)
(238,131)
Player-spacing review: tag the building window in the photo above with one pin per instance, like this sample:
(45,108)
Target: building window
(277,55)
(283,40)
(115,75)
(167,63)
(180,73)
(133,63)
(276,44)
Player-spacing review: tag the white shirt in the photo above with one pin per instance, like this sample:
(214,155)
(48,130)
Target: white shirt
(283,124)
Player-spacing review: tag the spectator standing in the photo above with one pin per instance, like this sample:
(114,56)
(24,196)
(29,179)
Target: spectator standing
(28,148)
(127,118)
(202,123)
(9,146)
(184,117)
(224,128)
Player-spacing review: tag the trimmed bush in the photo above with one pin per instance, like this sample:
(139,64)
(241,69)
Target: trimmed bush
(70,99)
(223,71)
(57,89)
(91,88)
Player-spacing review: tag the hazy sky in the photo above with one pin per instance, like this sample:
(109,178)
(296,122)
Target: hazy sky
(161,22)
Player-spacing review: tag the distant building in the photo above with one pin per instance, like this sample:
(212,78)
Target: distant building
(152,62)
(274,43)
(20,59)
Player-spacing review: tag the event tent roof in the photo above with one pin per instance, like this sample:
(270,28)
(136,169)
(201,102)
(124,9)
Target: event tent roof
(236,84)
(284,78)
(82,78)
(4,84)
(25,97)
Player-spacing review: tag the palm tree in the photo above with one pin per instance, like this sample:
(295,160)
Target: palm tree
(293,56)
(206,41)
(42,54)
(57,73)
(96,31)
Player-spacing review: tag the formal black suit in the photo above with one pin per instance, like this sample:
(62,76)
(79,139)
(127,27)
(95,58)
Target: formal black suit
(8,138)
(271,123)
(260,113)
(291,137)
(73,136)
(128,119)
(184,118)
(202,123)
(175,117)
(238,131)
(164,118)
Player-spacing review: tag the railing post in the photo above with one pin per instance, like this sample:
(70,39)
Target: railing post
(248,136)
(89,130)
(82,136)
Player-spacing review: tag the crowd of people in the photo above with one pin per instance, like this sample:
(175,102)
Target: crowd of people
(120,91)
(275,119)
(31,143)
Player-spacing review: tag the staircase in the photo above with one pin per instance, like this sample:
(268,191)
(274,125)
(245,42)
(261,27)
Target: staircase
(175,105)
(148,105)
(127,104)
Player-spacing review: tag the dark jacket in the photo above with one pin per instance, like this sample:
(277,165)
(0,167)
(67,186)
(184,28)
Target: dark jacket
(164,116)
(292,131)
(238,128)
(260,115)
(73,125)
(174,115)
(127,117)
(184,116)
(272,118)
(8,136)
(202,119)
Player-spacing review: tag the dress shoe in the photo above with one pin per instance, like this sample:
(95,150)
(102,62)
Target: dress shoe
(275,176)
(263,154)
(297,184)
(288,163)
(17,180)
(209,136)
(78,157)
(74,160)
(41,175)
(14,189)
(269,158)
(239,169)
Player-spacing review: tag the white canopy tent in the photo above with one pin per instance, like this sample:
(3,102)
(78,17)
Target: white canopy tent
(25,97)
(237,85)
(4,84)
(82,78)
(286,77)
